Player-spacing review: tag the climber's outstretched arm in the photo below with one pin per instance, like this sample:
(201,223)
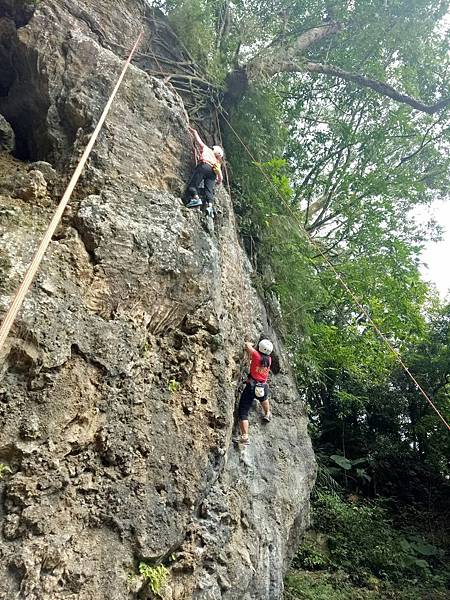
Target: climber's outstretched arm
(249,348)
(197,138)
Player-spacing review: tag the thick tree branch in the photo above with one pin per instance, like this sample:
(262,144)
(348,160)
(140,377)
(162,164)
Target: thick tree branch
(288,57)
(271,60)
(378,86)
(304,40)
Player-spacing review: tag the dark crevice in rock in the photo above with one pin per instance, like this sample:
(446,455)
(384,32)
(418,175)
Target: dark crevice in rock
(7,37)
(23,98)
(17,573)
(89,21)
(76,351)
(86,239)
(19,11)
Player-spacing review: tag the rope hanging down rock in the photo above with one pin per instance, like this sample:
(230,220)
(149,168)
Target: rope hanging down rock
(39,255)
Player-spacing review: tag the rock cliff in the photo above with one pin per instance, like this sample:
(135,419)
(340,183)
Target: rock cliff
(118,382)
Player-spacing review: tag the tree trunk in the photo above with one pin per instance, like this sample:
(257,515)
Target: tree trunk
(237,84)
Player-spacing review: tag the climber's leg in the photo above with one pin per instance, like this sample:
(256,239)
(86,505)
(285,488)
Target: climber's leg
(193,185)
(245,404)
(243,430)
(203,172)
(209,183)
(266,408)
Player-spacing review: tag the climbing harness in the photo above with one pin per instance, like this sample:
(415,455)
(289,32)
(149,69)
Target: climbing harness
(260,390)
(39,255)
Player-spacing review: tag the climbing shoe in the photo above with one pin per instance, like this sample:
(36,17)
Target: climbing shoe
(241,439)
(194,203)
(268,417)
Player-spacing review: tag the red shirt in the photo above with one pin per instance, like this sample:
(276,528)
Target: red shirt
(257,371)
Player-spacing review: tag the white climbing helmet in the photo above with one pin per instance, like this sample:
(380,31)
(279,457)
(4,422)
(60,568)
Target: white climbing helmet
(218,151)
(265,347)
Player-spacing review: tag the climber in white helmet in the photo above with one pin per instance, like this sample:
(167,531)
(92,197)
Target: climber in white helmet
(256,385)
(207,170)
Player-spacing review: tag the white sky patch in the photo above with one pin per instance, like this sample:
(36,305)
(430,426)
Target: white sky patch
(436,255)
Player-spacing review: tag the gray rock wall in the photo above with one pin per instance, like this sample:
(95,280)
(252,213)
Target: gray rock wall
(117,384)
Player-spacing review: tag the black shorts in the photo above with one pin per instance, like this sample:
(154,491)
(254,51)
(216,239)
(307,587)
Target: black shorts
(247,397)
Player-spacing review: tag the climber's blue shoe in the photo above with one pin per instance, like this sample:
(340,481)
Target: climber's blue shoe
(194,203)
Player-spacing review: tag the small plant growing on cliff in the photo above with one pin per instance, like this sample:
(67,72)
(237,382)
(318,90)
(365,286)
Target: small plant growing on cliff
(146,348)
(174,386)
(4,469)
(156,576)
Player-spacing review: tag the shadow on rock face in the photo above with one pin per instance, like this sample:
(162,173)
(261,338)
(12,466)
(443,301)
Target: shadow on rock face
(23,90)
(19,11)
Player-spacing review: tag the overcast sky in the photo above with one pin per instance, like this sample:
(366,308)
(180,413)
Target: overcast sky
(437,254)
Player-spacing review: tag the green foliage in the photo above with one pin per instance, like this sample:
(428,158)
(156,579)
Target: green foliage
(259,123)
(325,482)
(195,23)
(363,542)
(358,554)
(350,378)
(302,585)
(363,160)
(340,361)
(342,461)
(174,386)
(311,586)
(310,557)
(156,576)
(352,468)
(276,246)
(395,40)
(4,469)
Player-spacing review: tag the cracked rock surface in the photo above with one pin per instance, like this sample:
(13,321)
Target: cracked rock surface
(118,381)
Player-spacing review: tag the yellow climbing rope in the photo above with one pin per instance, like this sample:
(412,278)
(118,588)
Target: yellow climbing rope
(39,255)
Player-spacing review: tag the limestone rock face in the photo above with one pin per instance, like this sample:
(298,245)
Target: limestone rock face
(118,381)
(7,138)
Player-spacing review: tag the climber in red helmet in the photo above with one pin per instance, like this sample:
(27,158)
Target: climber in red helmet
(207,170)
(256,385)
